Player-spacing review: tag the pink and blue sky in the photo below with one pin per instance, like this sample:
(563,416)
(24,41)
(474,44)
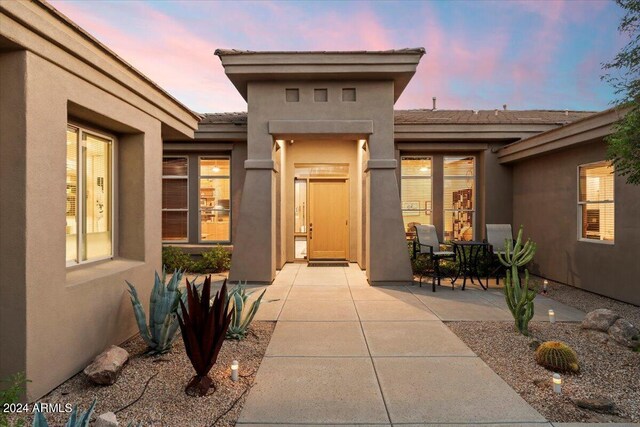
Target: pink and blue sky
(480,54)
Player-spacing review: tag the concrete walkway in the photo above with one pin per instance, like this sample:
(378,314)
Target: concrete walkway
(345,353)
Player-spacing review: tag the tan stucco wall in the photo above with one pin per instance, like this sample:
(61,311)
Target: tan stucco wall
(386,248)
(545,203)
(71,314)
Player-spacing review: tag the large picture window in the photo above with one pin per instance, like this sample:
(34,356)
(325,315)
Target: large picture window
(89,193)
(416,191)
(596,207)
(459,198)
(175,199)
(215,199)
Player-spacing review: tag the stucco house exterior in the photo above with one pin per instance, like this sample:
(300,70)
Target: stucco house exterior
(321,168)
(99,167)
(81,136)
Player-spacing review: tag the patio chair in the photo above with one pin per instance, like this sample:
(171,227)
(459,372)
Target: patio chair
(497,234)
(427,244)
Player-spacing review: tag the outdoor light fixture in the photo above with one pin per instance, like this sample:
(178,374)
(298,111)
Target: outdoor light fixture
(234,371)
(557,383)
(552,316)
(544,286)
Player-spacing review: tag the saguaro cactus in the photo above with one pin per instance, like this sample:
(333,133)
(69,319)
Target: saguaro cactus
(518,295)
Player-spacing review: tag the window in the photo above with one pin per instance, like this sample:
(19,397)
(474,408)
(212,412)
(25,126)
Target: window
(215,200)
(459,197)
(416,191)
(596,202)
(89,184)
(175,199)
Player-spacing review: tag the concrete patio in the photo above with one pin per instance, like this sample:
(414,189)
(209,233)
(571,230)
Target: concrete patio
(345,353)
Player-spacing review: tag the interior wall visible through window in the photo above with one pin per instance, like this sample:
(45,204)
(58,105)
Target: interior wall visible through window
(459,197)
(416,191)
(215,199)
(596,202)
(89,196)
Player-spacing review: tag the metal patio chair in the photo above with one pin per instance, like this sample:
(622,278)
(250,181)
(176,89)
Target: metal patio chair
(497,235)
(427,244)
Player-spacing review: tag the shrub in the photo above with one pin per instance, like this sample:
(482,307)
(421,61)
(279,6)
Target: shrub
(163,304)
(216,260)
(174,258)
(204,327)
(241,315)
(11,390)
(557,356)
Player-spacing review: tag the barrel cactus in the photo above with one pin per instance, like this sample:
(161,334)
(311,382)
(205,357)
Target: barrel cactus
(557,356)
(518,295)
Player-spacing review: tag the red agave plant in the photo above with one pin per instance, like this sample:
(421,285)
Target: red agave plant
(204,328)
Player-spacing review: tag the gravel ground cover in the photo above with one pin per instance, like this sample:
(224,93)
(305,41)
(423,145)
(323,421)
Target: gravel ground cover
(607,369)
(164,403)
(587,301)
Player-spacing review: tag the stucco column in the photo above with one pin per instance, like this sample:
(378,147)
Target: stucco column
(387,256)
(254,250)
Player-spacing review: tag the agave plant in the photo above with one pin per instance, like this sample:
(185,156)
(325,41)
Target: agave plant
(203,324)
(163,305)
(75,420)
(241,315)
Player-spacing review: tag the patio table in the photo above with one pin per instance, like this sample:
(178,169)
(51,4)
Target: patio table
(468,262)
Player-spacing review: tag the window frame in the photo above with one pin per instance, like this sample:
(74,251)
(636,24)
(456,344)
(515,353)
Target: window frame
(475,193)
(431,178)
(580,204)
(80,199)
(180,156)
(199,213)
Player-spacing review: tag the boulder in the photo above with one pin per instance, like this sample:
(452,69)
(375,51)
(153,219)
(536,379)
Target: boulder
(108,419)
(598,404)
(107,366)
(600,319)
(623,332)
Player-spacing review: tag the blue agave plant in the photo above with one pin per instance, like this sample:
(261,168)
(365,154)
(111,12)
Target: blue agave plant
(160,333)
(75,420)
(241,314)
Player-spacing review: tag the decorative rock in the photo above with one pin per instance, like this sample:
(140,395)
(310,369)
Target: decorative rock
(534,344)
(107,366)
(108,419)
(600,319)
(599,404)
(623,332)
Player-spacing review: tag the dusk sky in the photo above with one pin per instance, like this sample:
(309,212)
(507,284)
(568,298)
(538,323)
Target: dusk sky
(480,54)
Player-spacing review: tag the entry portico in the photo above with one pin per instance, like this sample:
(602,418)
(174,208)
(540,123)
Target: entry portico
(320,166)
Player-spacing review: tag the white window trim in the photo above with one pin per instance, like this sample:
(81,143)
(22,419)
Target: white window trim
(188,186)
(430,177)
(200,177)
(80,202)
(475,192)
(580,203)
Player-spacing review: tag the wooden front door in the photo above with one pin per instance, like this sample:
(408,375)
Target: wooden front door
(328,219)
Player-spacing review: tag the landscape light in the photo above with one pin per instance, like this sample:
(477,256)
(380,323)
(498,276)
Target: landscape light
(557,383)
(234,371)
(552,316)
(544,286)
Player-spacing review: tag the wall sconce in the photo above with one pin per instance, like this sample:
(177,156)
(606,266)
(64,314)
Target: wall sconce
(552,316)
(234,371)
(545,284)
(557,383)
